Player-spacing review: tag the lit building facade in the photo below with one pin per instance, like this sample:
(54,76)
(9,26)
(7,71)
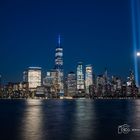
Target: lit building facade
(100,81)
(59,68)
(80,77)
(88,77)
(51,81)
(48,80)
(131,79)
(71,84)
(33,77)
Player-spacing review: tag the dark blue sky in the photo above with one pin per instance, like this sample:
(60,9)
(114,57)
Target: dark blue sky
(97,32)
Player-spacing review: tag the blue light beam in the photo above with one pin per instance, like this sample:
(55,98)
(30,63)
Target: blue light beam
(134,34)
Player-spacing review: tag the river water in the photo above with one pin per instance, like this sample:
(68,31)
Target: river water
(77,119)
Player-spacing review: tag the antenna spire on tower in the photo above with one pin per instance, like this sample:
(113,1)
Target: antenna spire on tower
(59,39)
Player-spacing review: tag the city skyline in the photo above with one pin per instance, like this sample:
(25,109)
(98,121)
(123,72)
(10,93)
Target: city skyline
(82,84)
(90,33)
(54,66)
(69,69)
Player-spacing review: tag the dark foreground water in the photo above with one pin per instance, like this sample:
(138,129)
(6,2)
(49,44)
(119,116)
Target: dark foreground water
(80,119)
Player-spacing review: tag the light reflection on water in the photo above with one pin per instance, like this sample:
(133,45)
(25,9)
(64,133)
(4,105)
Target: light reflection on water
(68,119)
(32,121)
(84,119)
(135,118)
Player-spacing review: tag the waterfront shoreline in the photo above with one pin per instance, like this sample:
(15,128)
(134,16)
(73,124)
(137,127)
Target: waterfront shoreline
(129,98)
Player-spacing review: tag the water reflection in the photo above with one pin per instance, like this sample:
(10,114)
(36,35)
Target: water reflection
(59,115)
(32,121)
(135,121)
(68,119)
(84,120)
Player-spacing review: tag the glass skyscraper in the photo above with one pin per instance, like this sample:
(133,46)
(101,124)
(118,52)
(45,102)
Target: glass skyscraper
(33,77)
(80,77)
(59,67)
(71,84)
(88,77)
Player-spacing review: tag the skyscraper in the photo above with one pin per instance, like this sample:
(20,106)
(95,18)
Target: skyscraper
(59,67)
(59,55)
(51,82)
(88,77)
(71,84)
(48,80)
(33,77)
(80,78)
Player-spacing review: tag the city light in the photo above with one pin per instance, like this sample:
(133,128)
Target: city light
(33,77)
(138,54)
(79,84)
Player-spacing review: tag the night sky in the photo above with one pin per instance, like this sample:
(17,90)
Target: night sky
(97,32)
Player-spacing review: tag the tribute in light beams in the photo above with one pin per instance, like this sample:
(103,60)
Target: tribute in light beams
(136,34)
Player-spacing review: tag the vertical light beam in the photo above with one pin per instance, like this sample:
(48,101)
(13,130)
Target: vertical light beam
(138,23)
(134,33)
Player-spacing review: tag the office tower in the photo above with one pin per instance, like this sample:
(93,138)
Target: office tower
(118,83)
(106,76)
(100,81)
(71,84)
(80,78)
(59,68)
(88,77)
(100,85)
(132,78)
(48,80)
(51,81)
(33,76)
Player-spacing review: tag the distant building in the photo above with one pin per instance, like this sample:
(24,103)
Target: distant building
(100,81)
(16,90)
(80,78)
(106,78)
(51,81)
(40,91)
(132,89)
(71,84)
(88,77)
(48,80)
(100,85)
(33,77)
(116,82)
(59,68)
(131,79)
